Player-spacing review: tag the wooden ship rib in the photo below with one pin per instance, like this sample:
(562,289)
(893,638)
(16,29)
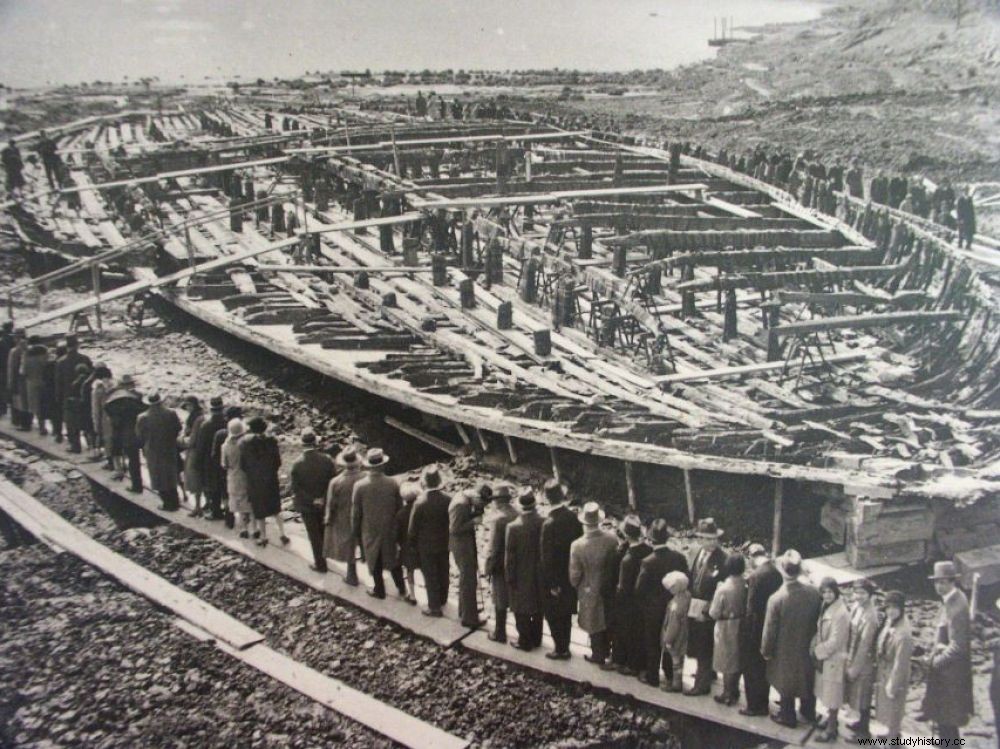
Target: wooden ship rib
(575,290)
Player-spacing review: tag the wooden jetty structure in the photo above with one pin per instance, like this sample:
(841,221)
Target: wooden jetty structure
(575,291)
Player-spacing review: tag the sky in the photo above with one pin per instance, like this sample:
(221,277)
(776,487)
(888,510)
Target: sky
(71,41)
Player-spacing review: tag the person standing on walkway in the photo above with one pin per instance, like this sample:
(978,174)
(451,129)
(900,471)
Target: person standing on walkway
(210,470)
(464,512)
(629,651)
(560,529)
(33,366)
(429,534)
(15,382)
(310,476)
(522,559)
(99,391)
(653,599)
(375,503)
(157,429)
(789,626)
(763,582)
(706,574)
(339,541)
(829,651)
(13,167)
(74,407)
(50,159)
(861,657)
(948,699)
(7,343)
(591,566)
(409,557)
(493,568)
(674,635)
(193,484)
(965,210)
(893,650)
(236,478)
(66,365)
(260,460)
(53,411)
(727,609)
(123,406)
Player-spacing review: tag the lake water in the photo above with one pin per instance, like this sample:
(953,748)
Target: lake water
(84,40)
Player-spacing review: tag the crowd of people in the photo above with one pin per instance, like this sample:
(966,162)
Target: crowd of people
(645,606)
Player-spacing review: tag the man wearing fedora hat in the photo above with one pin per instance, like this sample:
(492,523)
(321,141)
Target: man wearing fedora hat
(591,559)
(157,429)
(560,529)
(375,502)
(493,568)
(764,581)
(948,699)
(522,556)
(340,542)
(627,616)
(65,372)
(213,478)
(789,627)
(463,512)
(429,535)
(310,477)
(706,574)
(653,598)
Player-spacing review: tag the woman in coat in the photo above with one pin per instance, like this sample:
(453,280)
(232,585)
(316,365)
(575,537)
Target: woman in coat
(236,479)
(893,650)
(99,390)
(260,460)
(729,602)
(861,656)
(192,469)
(829,651)
(339,542)
(674,635)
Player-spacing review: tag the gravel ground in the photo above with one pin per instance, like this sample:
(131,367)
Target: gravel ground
(86,662)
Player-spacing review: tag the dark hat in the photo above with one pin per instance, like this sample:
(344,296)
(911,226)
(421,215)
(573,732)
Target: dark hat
(707,528)
(555,492)
(431,477)
(8,326)
(503,493)
(375,458)
(257,425)
(308,437)
(526,498)
(215,404)
(81,368)
(191,400)
(658,532)
(944,571)
(154,399)
(865,584)
(126,380)
(895,598)
(631,527)
(234,412)
(72,340)
(34,339)
(484,492)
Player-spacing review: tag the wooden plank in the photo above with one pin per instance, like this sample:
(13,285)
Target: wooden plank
(779,501)
(778,279)
(402,143)
(730,258)
(430,439)
(723,372)
(39,520)
(551,197)
(175,175)
(689,496)
(880,320)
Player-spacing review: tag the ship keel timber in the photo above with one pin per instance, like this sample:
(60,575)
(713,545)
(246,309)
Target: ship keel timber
(562,289)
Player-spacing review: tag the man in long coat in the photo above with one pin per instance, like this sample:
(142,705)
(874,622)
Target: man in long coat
(429,535)
(522,555)
(763,582)
(6,346)
(493,568)
(157,429)
(213,476)
(559,531)
(18,406)
(706,574)
(375,501)
(463,513)
(629,653)
(653,598)
(591,559)
(310,477)
(339,542)
(65,374)
(789,626)
(948,700)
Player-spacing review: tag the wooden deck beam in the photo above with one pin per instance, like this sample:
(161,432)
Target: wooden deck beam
(879,320)
(779,279)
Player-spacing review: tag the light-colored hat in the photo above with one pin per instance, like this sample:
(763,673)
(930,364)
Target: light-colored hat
(944,571)
(236,428)
(592,514)
(756,550)
(375,458)
(127,380)
(675,581)
(790,563)
(707,528)
(503,493)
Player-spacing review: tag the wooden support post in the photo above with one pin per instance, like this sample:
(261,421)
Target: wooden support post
(779,492)
(689,495)
(462,433)
(445,447)
(95,275)
(395,152)
(482,440)
(555,464)
(510,448)
(633,501)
